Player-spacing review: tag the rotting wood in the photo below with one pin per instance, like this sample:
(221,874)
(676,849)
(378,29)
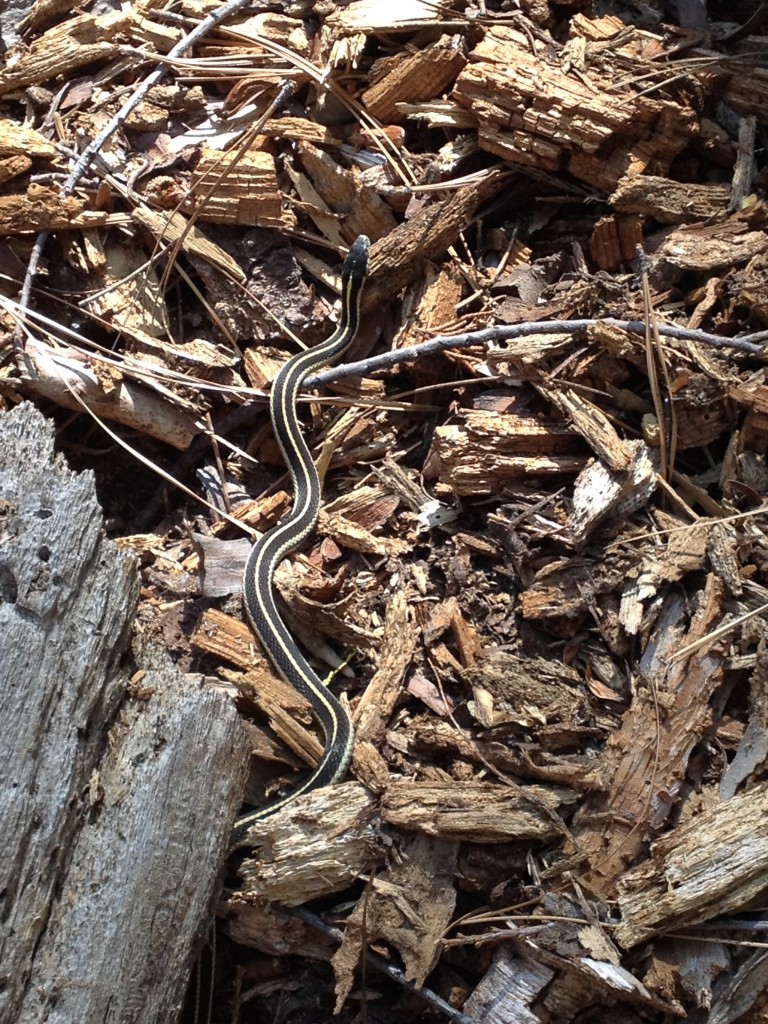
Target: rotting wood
(316,846)
(511,984)
(44,209)
(288,713)
(645,760)
(410,909)
(420,76)
(64,377)
(615,239)
(669,201)
(17,139)
(82,40)
(396,259)
(711,247)
(334,187)
(714,864)
(108,876)
(174,228)
(398,646)
(239,192)
(641,49)
(484,452)
(533,112)
(479,811)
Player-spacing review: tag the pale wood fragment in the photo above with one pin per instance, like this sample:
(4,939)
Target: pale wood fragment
(710,247)
(510,985)
(62,50)
(600,494)
(173,227)
(397,649)
(16,139)
(592,423)
(717,863)
(154,34)
(286,30)
(355,538)
(441,114)
(299,129)
(44,209)
(239,192)
(486,450)
(477,811)
(316,845)
(13,167)
(196,359)
(125,291)
(397,15)
(420,76)
(56,373)
(227,638)
(342,192)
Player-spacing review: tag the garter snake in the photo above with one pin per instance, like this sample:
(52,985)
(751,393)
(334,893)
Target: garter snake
(269,550)
(267,553)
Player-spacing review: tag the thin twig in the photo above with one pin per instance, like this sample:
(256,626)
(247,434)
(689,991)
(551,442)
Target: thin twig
(245,413)
(508,332)
(656,363)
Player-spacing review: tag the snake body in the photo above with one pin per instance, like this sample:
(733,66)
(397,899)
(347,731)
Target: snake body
(267,553)
(258,582)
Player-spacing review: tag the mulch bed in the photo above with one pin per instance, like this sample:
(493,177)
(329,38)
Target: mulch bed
(543,538)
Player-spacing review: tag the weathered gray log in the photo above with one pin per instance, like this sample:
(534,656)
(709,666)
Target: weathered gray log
(117,790)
